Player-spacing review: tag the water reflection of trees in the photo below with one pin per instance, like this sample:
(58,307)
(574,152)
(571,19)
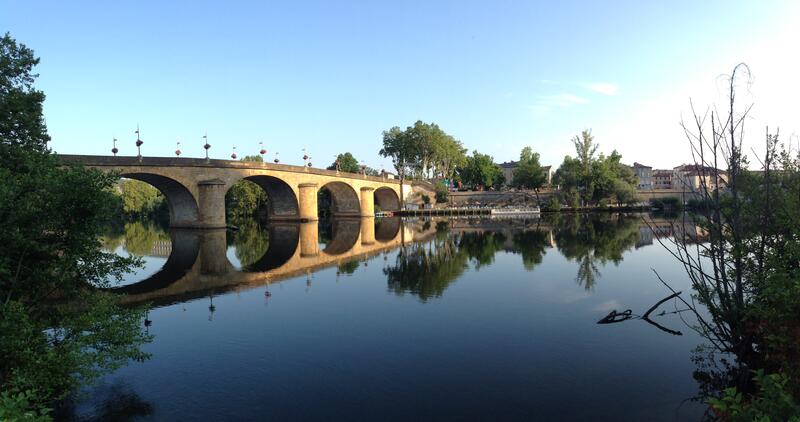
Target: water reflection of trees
(426,269)
(250,241)
(481,247)
(592,239)
(531,245)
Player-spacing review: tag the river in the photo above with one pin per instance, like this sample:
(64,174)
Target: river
(457,319)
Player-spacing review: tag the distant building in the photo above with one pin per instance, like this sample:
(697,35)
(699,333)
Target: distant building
(692,177)
(508,171)
(645,176)
(661,179)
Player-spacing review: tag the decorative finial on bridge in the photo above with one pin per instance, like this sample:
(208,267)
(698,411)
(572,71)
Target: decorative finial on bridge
(276,160)
(233,156)
(115,150)
(139,143)
(262,151)
(363,168)
(336,163)
(206,146)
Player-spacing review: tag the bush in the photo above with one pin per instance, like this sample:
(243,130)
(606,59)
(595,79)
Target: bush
(442,194)
(554,204)
(772,403)
(426,199)
(667,204)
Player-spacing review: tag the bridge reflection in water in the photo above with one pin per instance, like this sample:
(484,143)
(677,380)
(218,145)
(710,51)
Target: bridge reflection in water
(198,264)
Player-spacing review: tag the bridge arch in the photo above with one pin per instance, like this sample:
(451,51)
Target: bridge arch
(387,199)
(281,198)
(344,199)
(183,209)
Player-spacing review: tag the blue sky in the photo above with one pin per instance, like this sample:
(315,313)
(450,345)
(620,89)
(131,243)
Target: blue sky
(331,76)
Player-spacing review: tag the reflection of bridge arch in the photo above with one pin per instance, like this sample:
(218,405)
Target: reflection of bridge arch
(283,240)
(344,199)
(345,234)
(387,199)
(281,199)
(386,229)
(181,202)
(183,254)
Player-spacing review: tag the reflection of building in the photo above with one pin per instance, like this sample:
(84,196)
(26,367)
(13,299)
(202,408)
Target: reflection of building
(509,167)
(644,174)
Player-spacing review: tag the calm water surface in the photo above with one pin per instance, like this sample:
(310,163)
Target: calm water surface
(390,320)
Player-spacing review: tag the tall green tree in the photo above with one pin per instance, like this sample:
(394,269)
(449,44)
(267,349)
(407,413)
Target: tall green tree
(529,174)
(346,162)
(51,220)
(400,146)
(481,171)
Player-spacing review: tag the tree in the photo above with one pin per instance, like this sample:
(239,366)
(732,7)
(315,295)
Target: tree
(481,171)
(402,148)
(529,174)
(140,198)
(347,163)
(594,178)
(51,220)
(245,198)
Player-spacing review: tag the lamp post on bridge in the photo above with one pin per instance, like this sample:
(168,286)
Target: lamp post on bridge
(206,146)
(178,149)
(114,150)
(233,155)
(276,160)
(139,143)
(262,151)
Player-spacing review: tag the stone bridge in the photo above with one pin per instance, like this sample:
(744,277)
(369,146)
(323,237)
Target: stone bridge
(195,188)
(198,264)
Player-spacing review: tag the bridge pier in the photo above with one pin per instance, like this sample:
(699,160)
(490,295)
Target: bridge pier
(309,240)
(367,202)
(211,204)
(367,231)
(308,201)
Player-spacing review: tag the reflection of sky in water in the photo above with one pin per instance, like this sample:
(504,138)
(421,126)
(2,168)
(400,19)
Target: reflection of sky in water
(151,265)
(500,342)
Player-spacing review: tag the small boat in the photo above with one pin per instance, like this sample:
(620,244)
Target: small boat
(384,214)
(515,211)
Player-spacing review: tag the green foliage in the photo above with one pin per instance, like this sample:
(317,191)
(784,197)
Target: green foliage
(424,150)
(246,198)
(425,199)
(554,204)
(529,174)
(251,241)
(346,162)
(51,220)
(481,171)
(21,120)
(348,267)
(442,193)
(773,402)
(21,406)
(141,199)
(596,177)
(667,204)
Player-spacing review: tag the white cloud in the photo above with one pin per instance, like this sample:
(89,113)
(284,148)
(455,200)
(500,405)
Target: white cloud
(560,100)
(602,88)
